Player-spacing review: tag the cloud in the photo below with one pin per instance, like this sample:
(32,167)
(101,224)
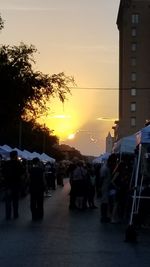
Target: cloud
(106,119)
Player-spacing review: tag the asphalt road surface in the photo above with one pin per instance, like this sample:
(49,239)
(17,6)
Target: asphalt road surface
(67,238)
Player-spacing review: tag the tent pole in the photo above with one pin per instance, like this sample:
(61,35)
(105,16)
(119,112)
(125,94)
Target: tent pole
(131,233)
(135,186)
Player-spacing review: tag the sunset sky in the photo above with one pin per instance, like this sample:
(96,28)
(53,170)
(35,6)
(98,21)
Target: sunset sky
(79,38)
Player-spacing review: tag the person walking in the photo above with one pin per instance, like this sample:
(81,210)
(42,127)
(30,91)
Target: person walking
(106,177)
(91,186)
(37,187)
(78,182)
(12,172)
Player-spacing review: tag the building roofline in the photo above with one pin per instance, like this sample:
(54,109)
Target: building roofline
(123,3)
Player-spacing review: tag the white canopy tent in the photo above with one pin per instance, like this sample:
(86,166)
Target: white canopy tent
(20,153)
(102,158)
(45,157)
(125,145)
(7,148)
(142,173)
(27,155)
(143,136)
(35,155)
(4,153)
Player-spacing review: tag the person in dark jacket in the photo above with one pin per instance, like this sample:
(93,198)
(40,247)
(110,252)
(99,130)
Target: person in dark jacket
(37,187)
(12,173)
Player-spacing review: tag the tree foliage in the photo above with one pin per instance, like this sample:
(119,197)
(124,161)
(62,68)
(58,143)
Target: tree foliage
(24,95)
(25,92)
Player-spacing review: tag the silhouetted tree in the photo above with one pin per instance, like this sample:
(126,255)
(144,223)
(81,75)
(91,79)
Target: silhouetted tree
(23,97)
(70,152)
(24,92)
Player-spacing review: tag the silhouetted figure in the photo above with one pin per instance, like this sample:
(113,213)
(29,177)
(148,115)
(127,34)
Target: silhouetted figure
(78,182)
(50,175)
(60,174)
(91,186)
(106,177)
(37,187)
(12,172)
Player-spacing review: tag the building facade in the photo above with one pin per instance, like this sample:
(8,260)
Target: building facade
(134,66)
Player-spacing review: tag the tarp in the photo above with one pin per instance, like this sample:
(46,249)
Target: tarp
(125,145)
(143,136)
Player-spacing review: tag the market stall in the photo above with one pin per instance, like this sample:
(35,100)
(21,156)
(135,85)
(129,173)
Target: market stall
(140,210)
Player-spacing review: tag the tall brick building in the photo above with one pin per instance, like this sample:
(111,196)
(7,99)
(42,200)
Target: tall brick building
(134,66)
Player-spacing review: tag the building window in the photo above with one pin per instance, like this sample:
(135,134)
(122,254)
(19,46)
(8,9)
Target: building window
(133,92)
(133,76)
(134,46)
(133,121)
(135,18)
(133,61)
(133,32)
(133,107)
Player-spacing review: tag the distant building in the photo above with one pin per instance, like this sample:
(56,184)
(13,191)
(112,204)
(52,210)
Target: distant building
(134,66)
(109,143)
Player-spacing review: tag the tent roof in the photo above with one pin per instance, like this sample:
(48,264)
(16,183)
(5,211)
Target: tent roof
(125,145)
(35,155)
(102,158)
(143,136)
(7,148)
(20,153)
(4,153)
(45,157)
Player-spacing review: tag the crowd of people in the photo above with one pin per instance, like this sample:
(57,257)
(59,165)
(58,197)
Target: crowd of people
(109,182)
(106,183)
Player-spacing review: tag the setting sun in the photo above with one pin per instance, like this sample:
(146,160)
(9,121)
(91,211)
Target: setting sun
(65,120)
(64,124)
(71,136)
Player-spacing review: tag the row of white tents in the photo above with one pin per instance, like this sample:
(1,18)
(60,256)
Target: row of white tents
(25,154)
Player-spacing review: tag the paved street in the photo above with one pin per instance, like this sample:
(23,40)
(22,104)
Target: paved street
(67,238)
